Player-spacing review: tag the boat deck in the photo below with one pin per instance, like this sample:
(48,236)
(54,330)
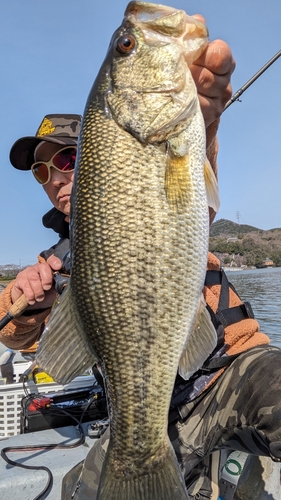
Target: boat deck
(29,483)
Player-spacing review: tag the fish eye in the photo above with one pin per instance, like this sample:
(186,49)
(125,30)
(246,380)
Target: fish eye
(125,44)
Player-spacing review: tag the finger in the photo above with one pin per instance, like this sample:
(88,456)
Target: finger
(54,262)
(35,286)
(199,17)
(33,282)
(211,109)
(17,292)
(23,286)
(211,85)
(44,276)
(49,299)
(217,58)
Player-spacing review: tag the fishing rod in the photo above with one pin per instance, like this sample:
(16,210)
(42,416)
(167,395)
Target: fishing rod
(239,92)
(15,310)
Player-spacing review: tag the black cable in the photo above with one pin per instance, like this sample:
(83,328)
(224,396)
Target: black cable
(80,441)
(32,467)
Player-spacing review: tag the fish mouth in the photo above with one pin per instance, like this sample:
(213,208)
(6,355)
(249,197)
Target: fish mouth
(148,12)
(159,21)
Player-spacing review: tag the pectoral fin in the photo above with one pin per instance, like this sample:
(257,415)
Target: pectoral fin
(176,182)
(64,351)
(200,344)
(212,187)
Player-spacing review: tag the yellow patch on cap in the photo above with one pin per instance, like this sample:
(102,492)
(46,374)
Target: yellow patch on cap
(46,128)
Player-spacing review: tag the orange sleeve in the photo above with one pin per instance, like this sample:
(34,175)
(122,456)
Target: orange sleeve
(242,335)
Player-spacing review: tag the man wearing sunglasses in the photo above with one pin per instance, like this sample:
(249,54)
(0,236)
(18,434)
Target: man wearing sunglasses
(50,155)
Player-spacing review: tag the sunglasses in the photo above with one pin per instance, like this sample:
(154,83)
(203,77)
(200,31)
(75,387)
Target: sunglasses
(63,161)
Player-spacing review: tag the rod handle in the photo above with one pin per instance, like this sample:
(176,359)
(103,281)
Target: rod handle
(18,307)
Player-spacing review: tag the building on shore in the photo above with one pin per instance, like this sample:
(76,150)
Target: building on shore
(267,263)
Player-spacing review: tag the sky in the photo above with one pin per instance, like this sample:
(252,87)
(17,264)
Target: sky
(50,55)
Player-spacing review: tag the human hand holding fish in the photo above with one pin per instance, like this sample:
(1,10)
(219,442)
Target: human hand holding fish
(212,73)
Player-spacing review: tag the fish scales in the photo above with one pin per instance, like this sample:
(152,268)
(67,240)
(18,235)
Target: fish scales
(134,269)
(139,242)
(139,279)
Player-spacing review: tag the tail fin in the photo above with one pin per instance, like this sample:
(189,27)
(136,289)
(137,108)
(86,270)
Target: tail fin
(161,482)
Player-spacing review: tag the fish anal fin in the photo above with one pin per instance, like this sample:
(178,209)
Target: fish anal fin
(64,350)
(200,344)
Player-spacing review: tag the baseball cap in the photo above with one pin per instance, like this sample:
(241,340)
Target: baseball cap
(59,129)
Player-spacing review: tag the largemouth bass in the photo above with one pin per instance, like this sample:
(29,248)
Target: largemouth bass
(139,240)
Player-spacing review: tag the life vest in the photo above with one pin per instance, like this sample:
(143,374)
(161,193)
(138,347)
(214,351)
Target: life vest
(187,390)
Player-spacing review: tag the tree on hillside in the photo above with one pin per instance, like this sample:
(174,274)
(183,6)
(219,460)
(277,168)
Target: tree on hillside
(9,270)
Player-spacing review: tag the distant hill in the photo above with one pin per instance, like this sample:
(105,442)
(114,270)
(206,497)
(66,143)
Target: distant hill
(244,245)
(227,227)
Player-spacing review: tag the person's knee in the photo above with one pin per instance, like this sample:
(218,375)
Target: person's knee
(275,451)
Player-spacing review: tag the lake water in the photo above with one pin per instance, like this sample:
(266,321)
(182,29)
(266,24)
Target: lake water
(262,288)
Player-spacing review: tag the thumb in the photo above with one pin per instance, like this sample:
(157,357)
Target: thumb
(199,18)
(54,262)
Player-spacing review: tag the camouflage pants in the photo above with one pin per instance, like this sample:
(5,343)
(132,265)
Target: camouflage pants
(241,411)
